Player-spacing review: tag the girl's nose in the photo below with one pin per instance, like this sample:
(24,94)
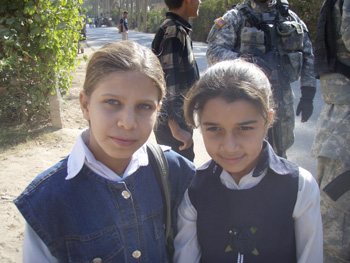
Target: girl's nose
(127,119)
(230,142)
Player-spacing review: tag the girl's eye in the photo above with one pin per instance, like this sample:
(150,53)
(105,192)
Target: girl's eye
(245,128)
(145,107)
(112,102)
(213,129)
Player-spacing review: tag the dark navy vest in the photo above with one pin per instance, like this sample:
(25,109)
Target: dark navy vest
(257,222)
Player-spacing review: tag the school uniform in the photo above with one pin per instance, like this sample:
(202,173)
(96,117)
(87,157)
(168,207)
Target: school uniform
(272,215)
(80,211)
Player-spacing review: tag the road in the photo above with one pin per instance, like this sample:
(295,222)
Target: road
(304,132)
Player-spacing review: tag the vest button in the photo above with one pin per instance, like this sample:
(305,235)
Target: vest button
(126,194)
(97,260)
(136,254)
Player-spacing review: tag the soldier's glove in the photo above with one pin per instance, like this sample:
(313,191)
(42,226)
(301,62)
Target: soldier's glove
(305,104)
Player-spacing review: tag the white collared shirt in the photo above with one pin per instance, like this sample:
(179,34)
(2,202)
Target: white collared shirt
(34,249)
(306,214)
(81,155)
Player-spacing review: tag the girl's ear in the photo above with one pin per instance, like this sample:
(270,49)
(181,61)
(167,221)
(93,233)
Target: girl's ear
(84,105)
(271,114)
(269,121)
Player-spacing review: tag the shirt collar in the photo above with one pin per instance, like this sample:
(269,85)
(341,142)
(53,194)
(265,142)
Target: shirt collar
(81,155)
(179,19)
(268,159)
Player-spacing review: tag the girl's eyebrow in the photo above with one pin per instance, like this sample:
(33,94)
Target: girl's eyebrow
(118,96)
(248,122)
(207,123)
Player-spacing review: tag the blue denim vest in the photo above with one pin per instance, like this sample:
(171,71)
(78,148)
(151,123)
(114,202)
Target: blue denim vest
(90,217)
(256,223)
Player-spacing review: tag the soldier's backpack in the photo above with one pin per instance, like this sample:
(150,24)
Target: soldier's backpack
(160,167)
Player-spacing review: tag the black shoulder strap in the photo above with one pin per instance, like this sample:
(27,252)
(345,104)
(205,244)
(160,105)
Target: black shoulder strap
(249,17)
(161,170)
(338,186)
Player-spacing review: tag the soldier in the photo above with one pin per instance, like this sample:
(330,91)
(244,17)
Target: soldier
(267,33)
(332,140)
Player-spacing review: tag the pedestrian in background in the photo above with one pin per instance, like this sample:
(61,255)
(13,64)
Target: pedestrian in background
(246,204)
(123,26)
(332,141)
(268,33)
(173,46)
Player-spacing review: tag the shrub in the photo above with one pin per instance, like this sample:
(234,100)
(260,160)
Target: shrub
(38,47)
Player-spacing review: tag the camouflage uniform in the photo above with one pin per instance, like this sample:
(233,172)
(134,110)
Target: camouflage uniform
(225,41)
(332,143)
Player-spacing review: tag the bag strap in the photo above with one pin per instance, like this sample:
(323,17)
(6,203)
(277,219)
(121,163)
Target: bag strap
(160,167)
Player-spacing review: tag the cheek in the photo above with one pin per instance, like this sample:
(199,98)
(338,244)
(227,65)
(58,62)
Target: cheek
(147,120)
(210,143)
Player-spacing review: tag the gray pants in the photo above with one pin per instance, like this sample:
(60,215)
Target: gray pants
(335,215)
(284,122)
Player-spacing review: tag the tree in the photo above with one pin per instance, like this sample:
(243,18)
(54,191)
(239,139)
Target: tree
(38,47)
(308,11)
(209,10)
(145,7)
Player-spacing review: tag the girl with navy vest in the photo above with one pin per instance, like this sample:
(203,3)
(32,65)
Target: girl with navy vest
(102,203)
(246,204)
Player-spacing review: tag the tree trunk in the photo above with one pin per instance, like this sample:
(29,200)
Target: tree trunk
(145,15)
(226,5)
(131,21)
(138,14)
(55,108)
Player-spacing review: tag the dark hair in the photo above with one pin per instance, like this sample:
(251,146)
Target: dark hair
(230,80)
(173,4)
(122,56)
(126,12)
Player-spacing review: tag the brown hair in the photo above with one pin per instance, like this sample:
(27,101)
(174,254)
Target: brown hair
(173,4)
(231,80)
(123,56)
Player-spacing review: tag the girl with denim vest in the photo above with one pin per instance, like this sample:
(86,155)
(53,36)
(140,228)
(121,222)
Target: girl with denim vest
(246,204)
(102,203)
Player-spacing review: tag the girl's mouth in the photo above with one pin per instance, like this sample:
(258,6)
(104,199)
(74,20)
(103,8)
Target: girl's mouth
(123,142)
(232,159)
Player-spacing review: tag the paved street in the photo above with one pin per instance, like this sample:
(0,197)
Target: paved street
(304,132)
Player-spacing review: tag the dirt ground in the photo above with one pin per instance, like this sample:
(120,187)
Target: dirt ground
(21,163)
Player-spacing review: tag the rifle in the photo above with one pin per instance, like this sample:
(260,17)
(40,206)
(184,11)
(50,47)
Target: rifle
(277,81)
(271,64)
